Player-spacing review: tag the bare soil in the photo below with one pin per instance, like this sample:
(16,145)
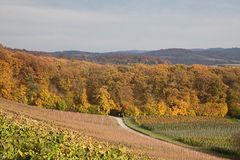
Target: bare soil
(108,129)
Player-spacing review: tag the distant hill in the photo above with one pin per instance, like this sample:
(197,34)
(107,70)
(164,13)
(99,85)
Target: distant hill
(118,57)
(199,56)
(213,56)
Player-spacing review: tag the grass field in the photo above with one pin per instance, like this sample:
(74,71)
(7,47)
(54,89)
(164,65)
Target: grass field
(219,135)
(25,138)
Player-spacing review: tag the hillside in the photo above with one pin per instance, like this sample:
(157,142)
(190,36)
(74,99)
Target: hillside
(217,56)
(139,89)
(200,56)
(104,129)
(22,137)
(126,57)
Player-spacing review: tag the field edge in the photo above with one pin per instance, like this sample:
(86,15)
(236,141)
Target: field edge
(129,122)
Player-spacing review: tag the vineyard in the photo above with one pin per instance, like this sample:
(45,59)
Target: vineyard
(25,138)
(219,135)
(76,128)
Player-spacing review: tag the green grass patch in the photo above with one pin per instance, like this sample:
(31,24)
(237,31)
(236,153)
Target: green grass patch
(217,135)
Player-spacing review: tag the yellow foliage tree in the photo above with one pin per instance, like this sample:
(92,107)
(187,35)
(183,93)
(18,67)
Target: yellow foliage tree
(150,107)
(84,105)
(46,99)
(154,108)
(20,94)
(223,109)
(132,110)
(6,80)
(178,107)
(162,108)
(212,109)
(104,101)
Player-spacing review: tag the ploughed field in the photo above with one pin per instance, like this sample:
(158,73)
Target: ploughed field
(219,135)
(104,129)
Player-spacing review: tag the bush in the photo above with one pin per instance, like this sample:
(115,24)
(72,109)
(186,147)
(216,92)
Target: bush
(177,107)
(132,111)
(61,105)
(212,109)
(234,110)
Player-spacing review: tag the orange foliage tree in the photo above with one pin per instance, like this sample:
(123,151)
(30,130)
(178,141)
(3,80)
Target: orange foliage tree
(133,89)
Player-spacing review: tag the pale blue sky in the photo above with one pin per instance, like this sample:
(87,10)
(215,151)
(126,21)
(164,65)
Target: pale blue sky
(105,25)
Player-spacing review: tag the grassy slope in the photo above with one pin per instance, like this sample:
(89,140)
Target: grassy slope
(188,142)
(131,124)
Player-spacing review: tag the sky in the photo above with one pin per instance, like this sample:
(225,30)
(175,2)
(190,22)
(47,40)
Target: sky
(110,25)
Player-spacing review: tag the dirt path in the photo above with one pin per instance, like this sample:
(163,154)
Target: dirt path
(124,126)
(108,129)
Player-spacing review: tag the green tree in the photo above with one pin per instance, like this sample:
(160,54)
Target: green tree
(61,104)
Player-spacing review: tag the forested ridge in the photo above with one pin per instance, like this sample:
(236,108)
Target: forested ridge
(136,89)
(211,56)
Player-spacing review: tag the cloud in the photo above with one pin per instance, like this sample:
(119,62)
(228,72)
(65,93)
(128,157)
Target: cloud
(113,25)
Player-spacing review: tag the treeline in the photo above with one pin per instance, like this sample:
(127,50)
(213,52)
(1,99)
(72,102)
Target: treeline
(135,90)
(126,59)
(121,58)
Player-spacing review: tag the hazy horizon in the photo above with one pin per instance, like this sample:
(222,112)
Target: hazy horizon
(94,26)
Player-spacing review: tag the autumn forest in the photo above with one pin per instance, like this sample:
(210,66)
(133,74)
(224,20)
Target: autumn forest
(137,89)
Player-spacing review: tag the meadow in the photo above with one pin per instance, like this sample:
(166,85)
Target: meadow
(25,138)
(218,135)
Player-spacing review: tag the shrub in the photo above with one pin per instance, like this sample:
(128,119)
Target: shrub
(177,107)
(61,105)
(212,109)
(132,111)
